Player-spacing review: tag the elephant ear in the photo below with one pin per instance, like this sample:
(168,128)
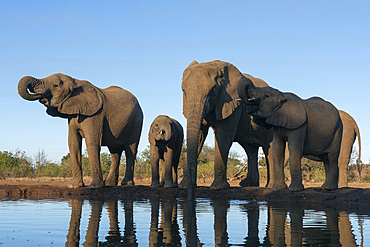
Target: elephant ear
(184,105)
(227,102)
(186,74)
(290,113)
(85,99)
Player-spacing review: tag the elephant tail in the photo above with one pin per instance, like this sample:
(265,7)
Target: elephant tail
(357,131)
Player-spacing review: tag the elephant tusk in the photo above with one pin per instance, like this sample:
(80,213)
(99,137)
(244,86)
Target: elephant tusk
(238,99)
(35,94)
(251,99)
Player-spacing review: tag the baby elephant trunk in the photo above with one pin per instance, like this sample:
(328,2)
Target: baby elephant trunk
(165,134)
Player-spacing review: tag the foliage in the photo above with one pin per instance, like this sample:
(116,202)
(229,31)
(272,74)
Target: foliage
(18,164)
(15,165)
(142,166)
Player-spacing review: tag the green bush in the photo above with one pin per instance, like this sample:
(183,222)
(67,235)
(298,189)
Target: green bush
(15,165)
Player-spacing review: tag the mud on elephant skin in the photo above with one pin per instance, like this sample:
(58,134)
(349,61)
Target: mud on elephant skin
(166,137)
(209,100)
(299,123)
(109,117)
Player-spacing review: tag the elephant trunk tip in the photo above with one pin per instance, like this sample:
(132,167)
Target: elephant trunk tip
(26,88)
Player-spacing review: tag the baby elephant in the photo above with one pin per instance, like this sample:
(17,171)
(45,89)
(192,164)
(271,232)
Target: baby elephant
(311,127)
(165,137)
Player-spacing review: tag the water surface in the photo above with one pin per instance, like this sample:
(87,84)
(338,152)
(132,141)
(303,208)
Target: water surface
(171,222)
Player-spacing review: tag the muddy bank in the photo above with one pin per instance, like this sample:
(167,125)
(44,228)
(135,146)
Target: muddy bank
(346,197)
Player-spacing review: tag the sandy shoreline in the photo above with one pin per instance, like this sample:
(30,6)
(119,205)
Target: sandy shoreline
(355,196)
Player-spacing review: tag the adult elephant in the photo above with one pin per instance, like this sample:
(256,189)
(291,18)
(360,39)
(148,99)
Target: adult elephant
(311,128)
(109,117)
(350,132)
(210,100)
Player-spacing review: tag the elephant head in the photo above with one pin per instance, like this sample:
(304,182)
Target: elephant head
(272,106)
(162,129)
(62,95)
(208,88)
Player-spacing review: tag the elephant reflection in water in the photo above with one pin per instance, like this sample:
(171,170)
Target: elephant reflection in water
(168,231)
(279,232)
(114,238)
(165,229)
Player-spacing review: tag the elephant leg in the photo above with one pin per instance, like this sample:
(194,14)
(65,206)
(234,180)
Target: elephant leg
(295,151)
(331,172)
(343,160)
(269,165)
(112,179)
(168,180)
(154,162)
(75,143)
(343,165)
(202,137)
(252,178)
(278,150)
(175,165)
(130,163)
(222,147)
(93,151)
(162,164)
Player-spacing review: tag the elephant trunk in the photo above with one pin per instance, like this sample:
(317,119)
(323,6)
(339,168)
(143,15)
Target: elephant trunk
(193,131)
(244,87)
(27,86)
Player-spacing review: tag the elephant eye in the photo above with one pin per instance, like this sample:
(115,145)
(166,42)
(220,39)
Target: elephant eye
(267,95)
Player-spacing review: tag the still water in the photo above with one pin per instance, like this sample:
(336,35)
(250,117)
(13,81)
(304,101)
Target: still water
(170,222)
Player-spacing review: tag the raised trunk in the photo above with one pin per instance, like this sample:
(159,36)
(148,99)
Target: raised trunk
(26,88)
(193,130)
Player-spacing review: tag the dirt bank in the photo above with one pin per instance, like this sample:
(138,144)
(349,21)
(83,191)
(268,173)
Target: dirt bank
(357,195)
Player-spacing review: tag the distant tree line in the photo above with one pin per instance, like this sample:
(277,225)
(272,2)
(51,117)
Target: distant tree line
(18,164)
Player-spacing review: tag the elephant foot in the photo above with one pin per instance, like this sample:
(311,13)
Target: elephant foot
(170,185)
(155,185)
(96,184)
(127,182)
(296,187)
(111,182)
(329,186)
(247,182)
(219,185)
(278,186)
(183,184)
(74,185)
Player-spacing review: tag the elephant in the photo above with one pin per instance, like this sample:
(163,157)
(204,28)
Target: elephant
(350,131)
(311,127)
(166,136)
(209,100)
(109,117)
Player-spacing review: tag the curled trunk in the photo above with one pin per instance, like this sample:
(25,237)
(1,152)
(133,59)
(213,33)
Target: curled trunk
(26,88)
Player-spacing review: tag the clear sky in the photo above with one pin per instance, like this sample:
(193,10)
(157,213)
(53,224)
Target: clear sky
(311,48)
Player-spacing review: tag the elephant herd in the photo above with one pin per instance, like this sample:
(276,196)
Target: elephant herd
(238,107)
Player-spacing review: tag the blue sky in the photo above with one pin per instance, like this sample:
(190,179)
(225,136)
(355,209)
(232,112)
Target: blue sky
(311,48)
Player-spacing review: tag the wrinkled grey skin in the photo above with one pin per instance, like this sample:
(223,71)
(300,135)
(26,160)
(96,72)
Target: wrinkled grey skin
(166,136)
(109,117)
(311,127)
(209,100)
